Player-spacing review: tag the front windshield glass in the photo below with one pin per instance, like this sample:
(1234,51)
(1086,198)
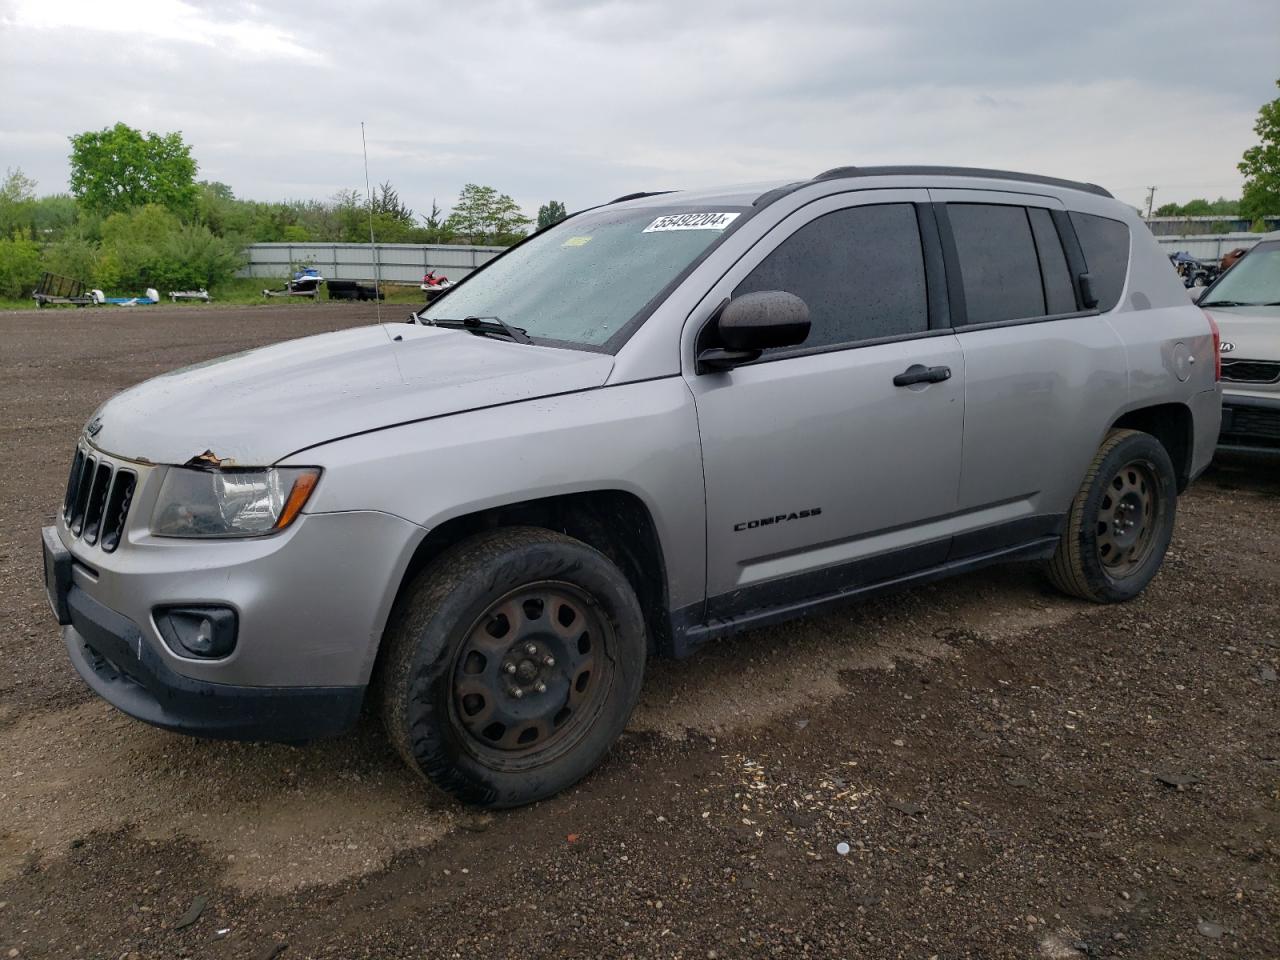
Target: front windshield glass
(584,280)
(1254,281)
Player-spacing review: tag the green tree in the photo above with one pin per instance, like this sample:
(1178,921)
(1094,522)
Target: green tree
(351,216)
(551,212)
(386,202)
(150,247)
(1261,165)
(19,267)
(1200,207)
(435,229)
(482,215)
(73,257)
(17,199)
(194,257)
(118,168)
(55,216)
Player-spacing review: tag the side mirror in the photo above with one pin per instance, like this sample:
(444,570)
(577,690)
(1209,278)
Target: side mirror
(753,323)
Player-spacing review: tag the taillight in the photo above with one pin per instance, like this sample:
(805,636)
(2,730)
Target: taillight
(1217,345)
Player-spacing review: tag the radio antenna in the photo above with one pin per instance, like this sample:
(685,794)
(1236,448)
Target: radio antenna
(373,246)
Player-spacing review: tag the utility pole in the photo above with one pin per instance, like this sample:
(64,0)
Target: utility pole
(1151,199)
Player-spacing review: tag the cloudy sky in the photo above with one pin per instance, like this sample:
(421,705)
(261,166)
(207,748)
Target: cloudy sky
(582,100)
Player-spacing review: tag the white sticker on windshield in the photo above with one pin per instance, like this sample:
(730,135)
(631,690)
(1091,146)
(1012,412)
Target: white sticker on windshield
(691,221)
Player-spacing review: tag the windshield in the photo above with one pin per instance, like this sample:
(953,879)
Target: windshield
(1254,281)
(585,280)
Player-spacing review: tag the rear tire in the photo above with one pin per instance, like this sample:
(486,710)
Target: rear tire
(1120,522)
(513,663)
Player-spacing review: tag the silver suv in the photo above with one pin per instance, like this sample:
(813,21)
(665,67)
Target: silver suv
(1245,302)
(662,421)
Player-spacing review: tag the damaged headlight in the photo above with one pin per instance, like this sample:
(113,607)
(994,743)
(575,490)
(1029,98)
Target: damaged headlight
(231,502)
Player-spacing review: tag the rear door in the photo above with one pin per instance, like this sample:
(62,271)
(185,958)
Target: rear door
(1042,374)
(821,473)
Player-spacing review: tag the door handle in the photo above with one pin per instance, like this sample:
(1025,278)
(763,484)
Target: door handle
(918,373)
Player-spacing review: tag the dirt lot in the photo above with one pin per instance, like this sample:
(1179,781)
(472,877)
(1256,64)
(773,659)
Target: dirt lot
(1016,774)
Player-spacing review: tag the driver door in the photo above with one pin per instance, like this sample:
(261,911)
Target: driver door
(821,474)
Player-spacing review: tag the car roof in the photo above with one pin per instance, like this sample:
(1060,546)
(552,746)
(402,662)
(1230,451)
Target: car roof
(761,194)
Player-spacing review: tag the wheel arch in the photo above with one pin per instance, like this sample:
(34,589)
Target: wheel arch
(1173,425)
(616,522)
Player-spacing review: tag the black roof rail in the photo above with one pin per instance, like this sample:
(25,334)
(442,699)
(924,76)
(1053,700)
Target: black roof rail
(777,193)
(638,196)
(838,173)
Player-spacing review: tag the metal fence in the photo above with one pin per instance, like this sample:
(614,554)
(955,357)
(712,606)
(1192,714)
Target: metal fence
(402,262)
(407,262)
(1202,226)
(1208,246)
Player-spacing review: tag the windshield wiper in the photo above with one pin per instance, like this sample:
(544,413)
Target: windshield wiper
(481,326)
(1226,303)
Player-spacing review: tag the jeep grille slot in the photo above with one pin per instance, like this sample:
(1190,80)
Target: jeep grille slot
(97,501)
(73,484)
(1251,371)
(118,508)
(76,522)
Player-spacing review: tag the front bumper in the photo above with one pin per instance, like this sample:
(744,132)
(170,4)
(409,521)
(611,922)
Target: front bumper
(310,603)
(1250,424)
(108,652)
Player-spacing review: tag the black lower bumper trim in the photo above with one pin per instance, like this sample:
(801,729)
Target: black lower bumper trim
(110,654)
(1250,425)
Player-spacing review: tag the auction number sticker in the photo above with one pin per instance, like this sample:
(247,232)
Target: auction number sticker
(691,221)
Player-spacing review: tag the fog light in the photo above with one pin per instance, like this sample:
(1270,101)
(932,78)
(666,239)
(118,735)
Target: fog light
(205,632)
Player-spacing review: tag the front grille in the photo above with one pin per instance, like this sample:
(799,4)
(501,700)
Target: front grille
(1251,371)
(97,501)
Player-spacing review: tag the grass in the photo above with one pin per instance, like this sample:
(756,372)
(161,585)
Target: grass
(248,291)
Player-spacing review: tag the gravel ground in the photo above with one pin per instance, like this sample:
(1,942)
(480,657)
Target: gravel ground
(978,768)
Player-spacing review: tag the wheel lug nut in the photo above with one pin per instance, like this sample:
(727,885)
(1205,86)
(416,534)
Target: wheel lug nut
(509,667)
(517,692)
(530,649)
(548,661)
(540,687)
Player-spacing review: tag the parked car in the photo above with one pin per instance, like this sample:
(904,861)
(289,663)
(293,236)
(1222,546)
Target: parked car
(657,423)
(1245,302)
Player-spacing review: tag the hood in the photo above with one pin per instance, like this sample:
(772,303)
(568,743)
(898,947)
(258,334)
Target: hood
(254,408)
(1254,331)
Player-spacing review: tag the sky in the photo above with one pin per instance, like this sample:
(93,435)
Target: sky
(585,100)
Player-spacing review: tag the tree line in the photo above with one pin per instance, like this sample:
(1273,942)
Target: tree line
(137,217)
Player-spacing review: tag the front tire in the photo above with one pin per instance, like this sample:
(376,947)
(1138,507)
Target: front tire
(1120,522)
(513,663)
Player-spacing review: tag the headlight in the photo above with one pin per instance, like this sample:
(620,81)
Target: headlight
(231,502)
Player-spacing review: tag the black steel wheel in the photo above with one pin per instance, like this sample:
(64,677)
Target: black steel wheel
(532,672)
(1120,522)
(511,665)
(1127,518)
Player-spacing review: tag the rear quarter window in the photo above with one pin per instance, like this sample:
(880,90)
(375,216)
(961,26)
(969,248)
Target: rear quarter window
(1106,255)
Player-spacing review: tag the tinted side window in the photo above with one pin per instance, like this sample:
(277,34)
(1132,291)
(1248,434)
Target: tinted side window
(1059,295)
(998,262)
(860,270)
(1106,254)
